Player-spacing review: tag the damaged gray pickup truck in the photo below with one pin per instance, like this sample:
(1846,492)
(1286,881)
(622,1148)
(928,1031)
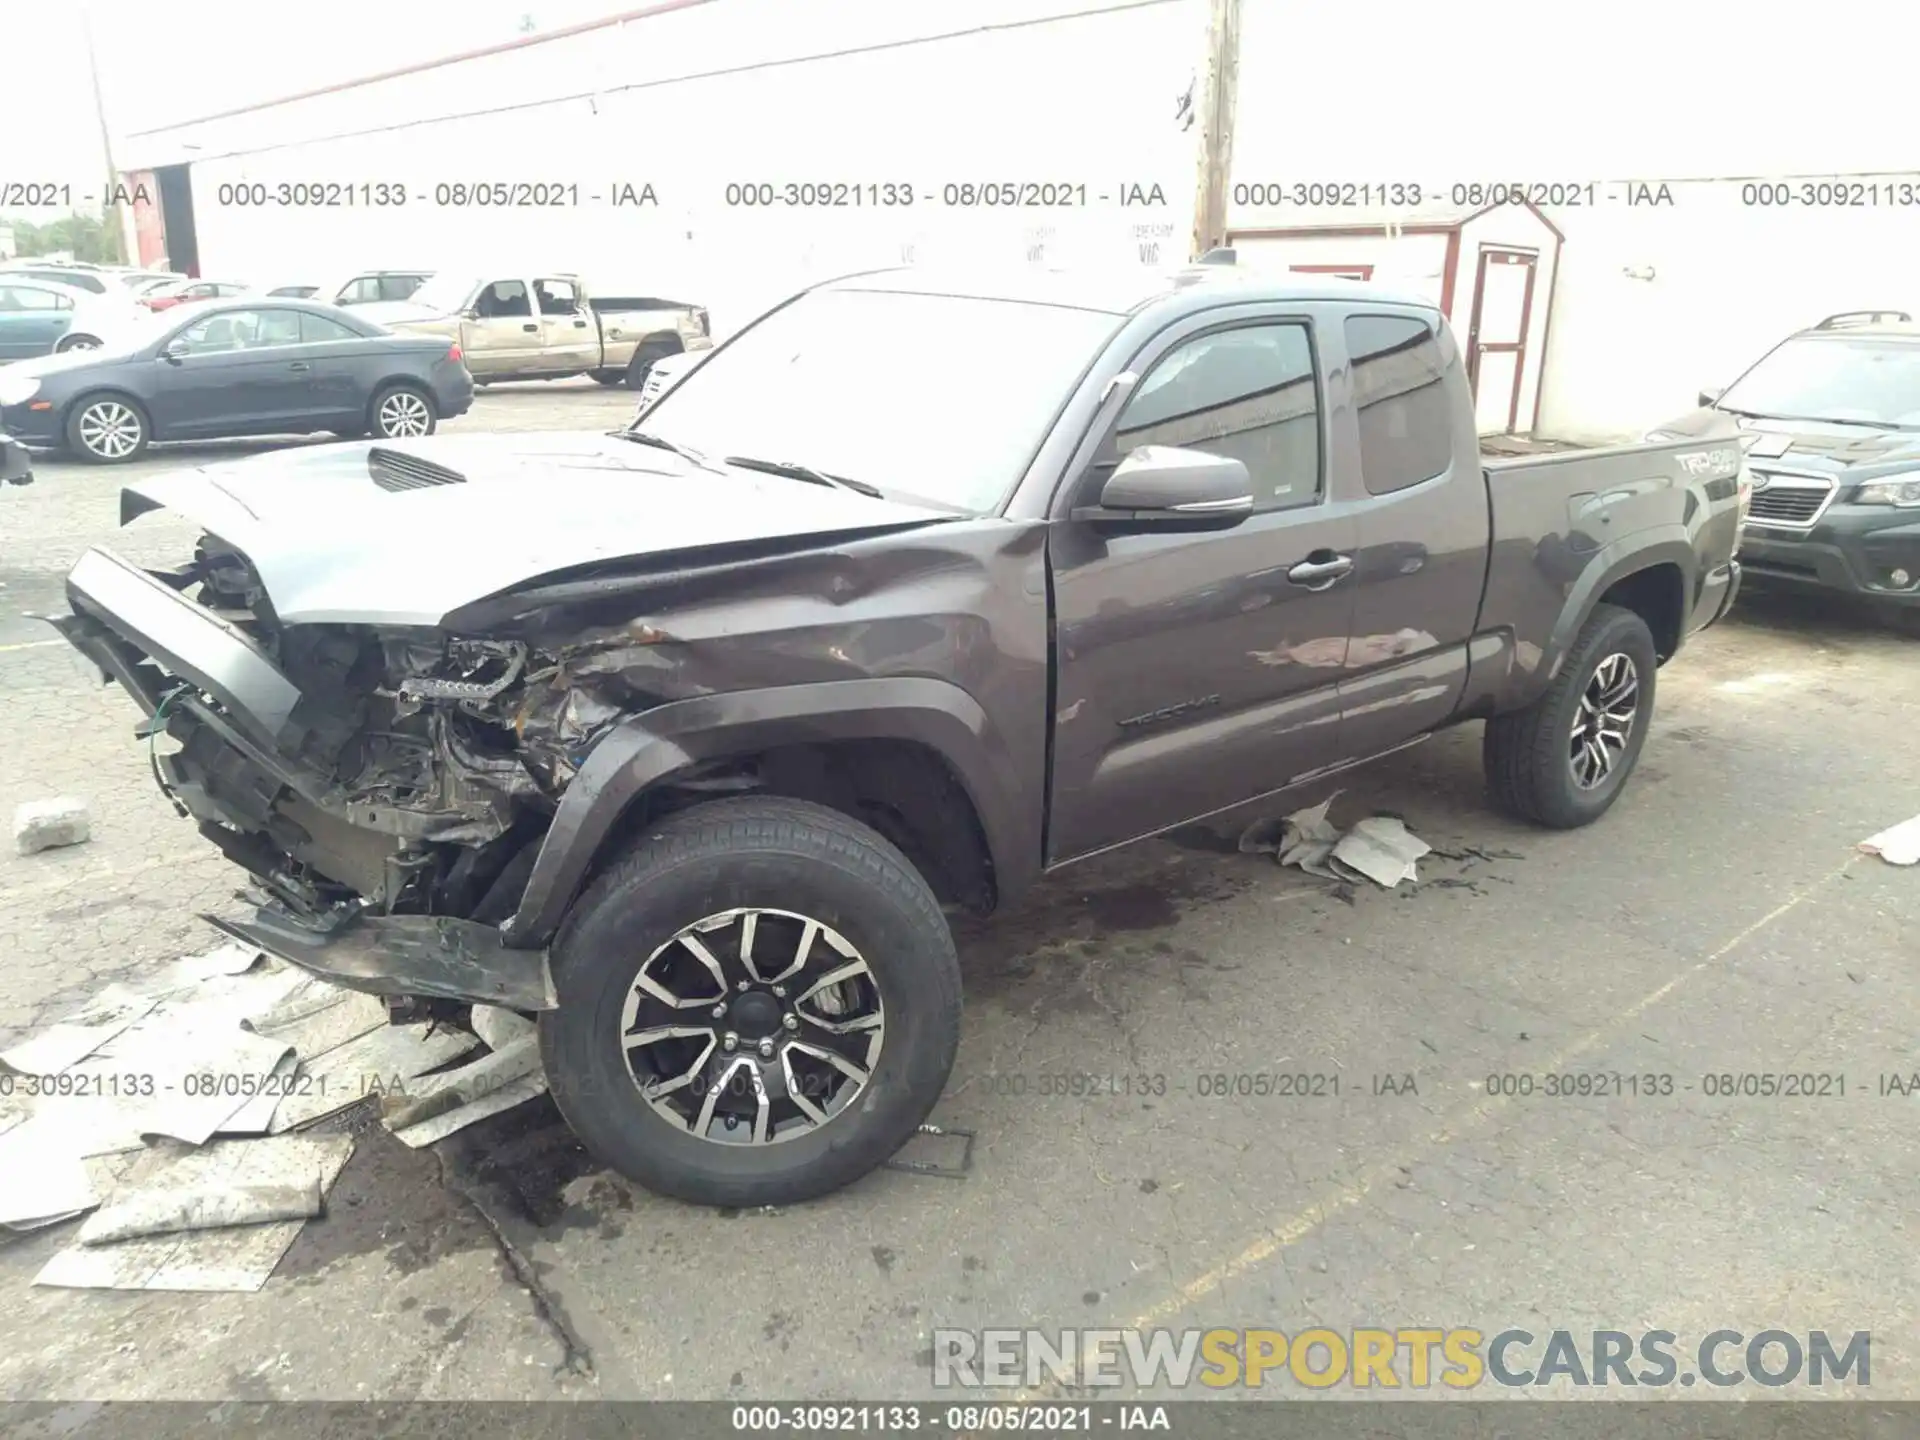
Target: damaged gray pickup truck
(682,737)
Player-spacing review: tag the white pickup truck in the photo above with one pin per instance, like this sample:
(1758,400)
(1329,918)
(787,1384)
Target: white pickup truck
(546,326)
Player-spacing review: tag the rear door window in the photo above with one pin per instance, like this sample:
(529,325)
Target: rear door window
(1400,394)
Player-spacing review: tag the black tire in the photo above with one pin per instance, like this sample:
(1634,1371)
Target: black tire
(398,408)
(1530,755)
(79,341)
(643,359)
(93,417)
(609,378)
(775,854)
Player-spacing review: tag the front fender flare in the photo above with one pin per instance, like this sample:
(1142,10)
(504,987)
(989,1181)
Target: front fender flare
(648,748)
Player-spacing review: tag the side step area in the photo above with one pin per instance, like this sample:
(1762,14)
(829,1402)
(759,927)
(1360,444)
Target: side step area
(431,956)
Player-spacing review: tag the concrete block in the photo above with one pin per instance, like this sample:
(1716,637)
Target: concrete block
(48,824)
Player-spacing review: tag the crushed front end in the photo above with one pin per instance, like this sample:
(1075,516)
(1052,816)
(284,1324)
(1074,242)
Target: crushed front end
(386,788)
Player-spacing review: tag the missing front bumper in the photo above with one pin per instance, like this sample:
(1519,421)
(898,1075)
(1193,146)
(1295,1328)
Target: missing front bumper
(428,956)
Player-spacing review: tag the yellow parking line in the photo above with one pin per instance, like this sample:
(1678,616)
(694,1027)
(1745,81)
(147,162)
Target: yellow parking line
(1285,1233)
(30,645)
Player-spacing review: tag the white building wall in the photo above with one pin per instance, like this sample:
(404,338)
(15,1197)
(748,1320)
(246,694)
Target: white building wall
(857,92)
(1655,306)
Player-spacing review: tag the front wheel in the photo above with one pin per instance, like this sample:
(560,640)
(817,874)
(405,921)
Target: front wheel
(1563,761)
(758,1005)
(81,341)
(107,429)
(401,412)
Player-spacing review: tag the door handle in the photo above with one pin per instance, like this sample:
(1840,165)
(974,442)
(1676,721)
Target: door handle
(534,328)
(579,324)
(1320,570)
(299,365)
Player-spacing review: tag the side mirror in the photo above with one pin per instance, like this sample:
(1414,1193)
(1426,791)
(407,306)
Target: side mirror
(472,312)
(174,349)
(1707,397)
(1166,487)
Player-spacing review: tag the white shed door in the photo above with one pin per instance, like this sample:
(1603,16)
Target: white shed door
(1497,335)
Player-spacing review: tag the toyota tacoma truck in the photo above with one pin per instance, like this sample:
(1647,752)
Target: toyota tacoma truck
(685,738)
(539,326)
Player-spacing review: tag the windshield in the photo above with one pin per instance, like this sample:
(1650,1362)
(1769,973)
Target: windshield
(443,292)
(1859,378)
(943,397)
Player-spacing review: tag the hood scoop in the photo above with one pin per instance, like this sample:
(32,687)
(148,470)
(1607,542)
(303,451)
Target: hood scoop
(395,470)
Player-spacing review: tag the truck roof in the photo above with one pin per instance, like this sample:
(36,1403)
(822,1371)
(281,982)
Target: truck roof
(1119,290)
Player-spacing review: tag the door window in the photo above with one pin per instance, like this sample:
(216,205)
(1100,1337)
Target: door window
(360,291)
(276,327)
(399,287)
(229,330)
(315,329)
(557,297)
(1405,413)
(1247,393)
(504,300)
(21,297)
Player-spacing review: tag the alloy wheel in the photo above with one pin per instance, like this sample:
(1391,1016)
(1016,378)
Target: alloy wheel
(1603,723)
(753,1026)
(403,414)
(110,430)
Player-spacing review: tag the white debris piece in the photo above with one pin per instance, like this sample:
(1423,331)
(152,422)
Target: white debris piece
(318,1029)
(48,824)
(1897,846)
(41,1181)
(381,1062)
(238,1258)
(499,1028)
(1381,849)
(441,1104)
(209,1205)
(59,1048)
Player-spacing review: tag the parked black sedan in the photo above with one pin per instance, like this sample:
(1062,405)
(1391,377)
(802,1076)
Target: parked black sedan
(247,366)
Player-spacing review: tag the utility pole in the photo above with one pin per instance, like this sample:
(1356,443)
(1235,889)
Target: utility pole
(1218,87)
(115,221)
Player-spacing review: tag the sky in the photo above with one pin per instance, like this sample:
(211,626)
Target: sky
(162,63)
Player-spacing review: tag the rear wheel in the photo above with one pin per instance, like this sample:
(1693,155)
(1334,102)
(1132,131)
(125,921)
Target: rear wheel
(758,1005)
(77,341)
(1563,761)
(609,378)
(107,429)
(401,412)
(643,359)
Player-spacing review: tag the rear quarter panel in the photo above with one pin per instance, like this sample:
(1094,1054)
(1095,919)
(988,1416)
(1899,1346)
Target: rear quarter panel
(1568,527)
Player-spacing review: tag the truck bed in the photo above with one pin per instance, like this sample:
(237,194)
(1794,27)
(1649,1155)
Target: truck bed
(1561,522)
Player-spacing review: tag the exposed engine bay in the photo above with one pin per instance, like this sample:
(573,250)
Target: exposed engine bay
(430,762)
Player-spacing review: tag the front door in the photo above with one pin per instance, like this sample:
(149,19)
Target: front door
(504,338)
(569,340)
(1196,670)
(1497,336)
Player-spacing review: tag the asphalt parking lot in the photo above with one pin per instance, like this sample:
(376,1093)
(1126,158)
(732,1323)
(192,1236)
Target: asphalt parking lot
(1719,921)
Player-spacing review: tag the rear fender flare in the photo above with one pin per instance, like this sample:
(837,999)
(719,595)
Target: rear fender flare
(1629,555)
(647,749)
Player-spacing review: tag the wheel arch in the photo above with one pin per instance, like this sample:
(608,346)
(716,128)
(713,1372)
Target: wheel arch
(1649,574)
(102,392)
(918,749)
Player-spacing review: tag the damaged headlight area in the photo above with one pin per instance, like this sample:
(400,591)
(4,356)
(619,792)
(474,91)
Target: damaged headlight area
(404,771)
